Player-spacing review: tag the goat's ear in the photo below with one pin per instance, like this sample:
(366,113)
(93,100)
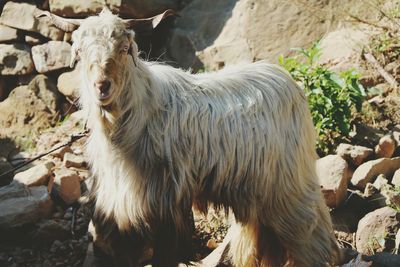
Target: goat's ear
(148,24)
(133,48)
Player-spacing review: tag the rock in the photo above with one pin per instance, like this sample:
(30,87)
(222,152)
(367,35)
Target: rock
(48,231)
(368,171)
(47,91)
(380,182)
(370,190)
(396,178)
(75,161)
(32,39)
(68,84)
(28,110)
(15,59)
(43,199)
(19,211)
(333,175)
(37,175)
(8,34)
(376,231)
(61,152)
(212,244)
(14,190)
(229,32)
(133,9)
(342,48)
(67,183)
(26,20)
(5,166)
(355,155)
(383,259)
(385,147)
(52,55)
(397,242)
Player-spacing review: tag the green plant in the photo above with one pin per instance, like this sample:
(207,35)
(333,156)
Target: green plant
(331,96)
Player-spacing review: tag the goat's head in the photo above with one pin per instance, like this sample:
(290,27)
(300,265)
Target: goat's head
(106,48)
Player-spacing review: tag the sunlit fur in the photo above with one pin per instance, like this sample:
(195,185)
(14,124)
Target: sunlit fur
(240,138)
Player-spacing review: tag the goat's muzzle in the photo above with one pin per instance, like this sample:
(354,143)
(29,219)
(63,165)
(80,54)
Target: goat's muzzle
(104,89)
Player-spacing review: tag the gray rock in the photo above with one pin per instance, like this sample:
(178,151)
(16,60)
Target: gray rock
(52,55)
(333,174)
(19,211)
(376,231)
(26,20)
(368,171)
(355,155)
(15,59)
(14,190)
(37,175)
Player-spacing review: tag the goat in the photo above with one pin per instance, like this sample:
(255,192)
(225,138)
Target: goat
(163,139)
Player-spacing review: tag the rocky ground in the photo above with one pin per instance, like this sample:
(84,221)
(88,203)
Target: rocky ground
(40,222)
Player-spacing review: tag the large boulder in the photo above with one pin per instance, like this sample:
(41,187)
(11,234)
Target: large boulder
(50,56)
(22,16)
(377,230)
(15,59)
(220,33)
(28,110)
(126,8)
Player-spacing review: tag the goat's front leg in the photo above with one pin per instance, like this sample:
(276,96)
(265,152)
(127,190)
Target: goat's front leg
(173,240)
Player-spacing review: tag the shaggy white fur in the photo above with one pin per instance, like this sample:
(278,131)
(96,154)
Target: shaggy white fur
(241,138)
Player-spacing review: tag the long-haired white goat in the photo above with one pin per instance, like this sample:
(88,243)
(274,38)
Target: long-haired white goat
(163,139)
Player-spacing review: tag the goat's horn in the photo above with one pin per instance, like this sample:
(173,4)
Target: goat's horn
(147,24)
(67,25)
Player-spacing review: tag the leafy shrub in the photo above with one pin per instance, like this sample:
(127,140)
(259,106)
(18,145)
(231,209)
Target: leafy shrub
(332,97)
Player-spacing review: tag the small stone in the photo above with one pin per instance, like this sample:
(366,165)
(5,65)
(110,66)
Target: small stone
(333,174)
(76,161)
(385,147)
(212,244)
(355,155)
(68,215)
(61,152)
(52,55)
(370,190)
(380,182)
(37,175)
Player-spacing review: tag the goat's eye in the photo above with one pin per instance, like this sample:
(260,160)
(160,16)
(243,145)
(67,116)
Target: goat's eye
(125,49)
